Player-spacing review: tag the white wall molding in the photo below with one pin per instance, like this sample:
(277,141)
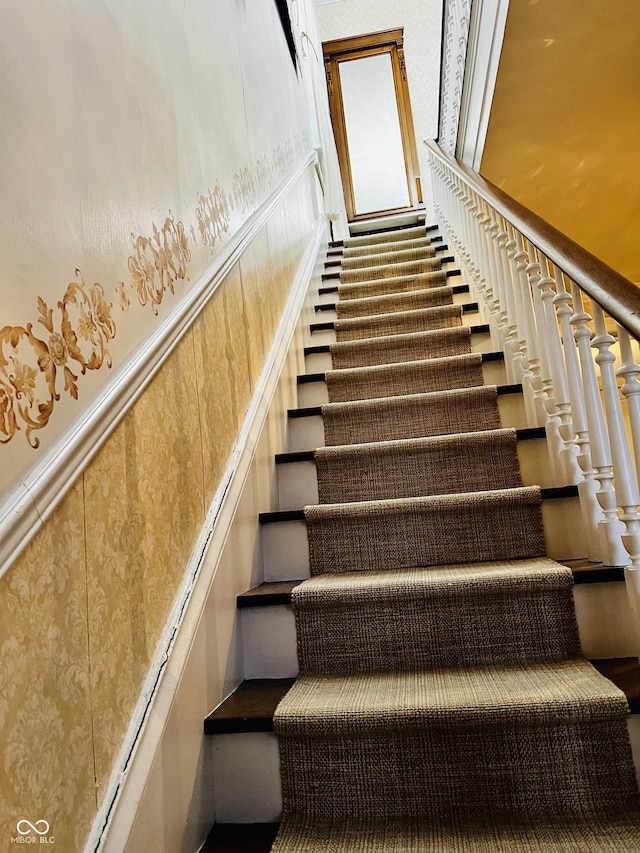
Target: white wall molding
(23,514)
(488,21)
(113,824)
(456,16)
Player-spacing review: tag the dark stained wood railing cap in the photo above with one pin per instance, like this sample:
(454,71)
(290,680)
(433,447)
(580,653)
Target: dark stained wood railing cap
(616,294)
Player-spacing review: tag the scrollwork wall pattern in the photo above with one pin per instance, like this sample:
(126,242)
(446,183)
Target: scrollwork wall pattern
(44,359)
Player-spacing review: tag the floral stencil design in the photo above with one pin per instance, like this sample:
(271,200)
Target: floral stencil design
(29,366)
(158,261)
(212,214)
(79,327)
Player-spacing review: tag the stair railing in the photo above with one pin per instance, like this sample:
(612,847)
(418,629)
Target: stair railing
(569,326)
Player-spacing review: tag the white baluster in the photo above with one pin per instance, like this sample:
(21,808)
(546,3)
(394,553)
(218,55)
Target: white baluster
(610,527)
(626,481)
(532,376)
(559,406)
(587,484)
(629,370)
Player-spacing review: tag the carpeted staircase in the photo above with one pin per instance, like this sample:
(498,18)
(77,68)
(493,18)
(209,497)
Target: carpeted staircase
(442,702)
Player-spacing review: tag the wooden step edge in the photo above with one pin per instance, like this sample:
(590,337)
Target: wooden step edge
(249,708)
(468,308)
(335,258)
(322,348)
(274,593)
(240,838)
(331,306)
(295,456)
(447,259)
(269,594)
(526,434)
(312,411)
(407,226)
(277,516)
(304,378)
(330,289)
(453,273)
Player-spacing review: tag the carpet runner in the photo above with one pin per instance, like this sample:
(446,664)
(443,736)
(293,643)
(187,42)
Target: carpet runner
(391,349)
(386,304)
(392,284)
(409,377)
(398,322)
(442,703)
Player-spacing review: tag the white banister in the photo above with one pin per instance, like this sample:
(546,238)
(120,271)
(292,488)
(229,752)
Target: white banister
(543,297)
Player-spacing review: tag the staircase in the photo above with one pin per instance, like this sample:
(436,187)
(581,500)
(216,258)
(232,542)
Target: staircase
(441,699)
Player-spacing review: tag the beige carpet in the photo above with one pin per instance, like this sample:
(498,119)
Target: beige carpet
(410,377)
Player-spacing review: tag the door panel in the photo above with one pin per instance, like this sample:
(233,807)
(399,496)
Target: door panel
(374,139)
(372,122)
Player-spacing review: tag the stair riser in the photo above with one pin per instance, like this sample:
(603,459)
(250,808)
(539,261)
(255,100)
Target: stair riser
(308,433)
(382,774)
(315,393)
(286,552)
(298,483)
(605,626)
(247,772)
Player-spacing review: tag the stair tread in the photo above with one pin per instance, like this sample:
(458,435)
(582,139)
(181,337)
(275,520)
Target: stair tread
(272,593)
(546,692)
(249,708)
(467,308)
(527,434)
(256,699)
(481,329)
(305,378)
(312,411)
(551,493)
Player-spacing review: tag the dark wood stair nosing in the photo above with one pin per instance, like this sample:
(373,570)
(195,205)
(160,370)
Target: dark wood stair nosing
(524,434)
(250,708)
(240,838)
(277,516)
(305,378)
(467,308)
(312,411)
(274,593)
(324,348)
(331,306)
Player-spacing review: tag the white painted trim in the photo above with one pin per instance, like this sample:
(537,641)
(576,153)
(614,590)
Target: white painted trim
(113,824)
(26,510)
(488,21)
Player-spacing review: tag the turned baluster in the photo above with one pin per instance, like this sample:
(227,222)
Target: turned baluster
(528,338)
(626,480)
(587,484)
(610,527)
(561,402)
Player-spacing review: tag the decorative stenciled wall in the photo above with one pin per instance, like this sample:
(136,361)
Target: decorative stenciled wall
(136,143)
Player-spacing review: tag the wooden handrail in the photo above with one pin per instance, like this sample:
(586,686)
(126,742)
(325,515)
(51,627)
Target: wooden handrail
(619,297)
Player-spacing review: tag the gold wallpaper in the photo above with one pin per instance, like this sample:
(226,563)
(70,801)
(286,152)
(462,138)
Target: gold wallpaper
(45,357)
(83,607)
